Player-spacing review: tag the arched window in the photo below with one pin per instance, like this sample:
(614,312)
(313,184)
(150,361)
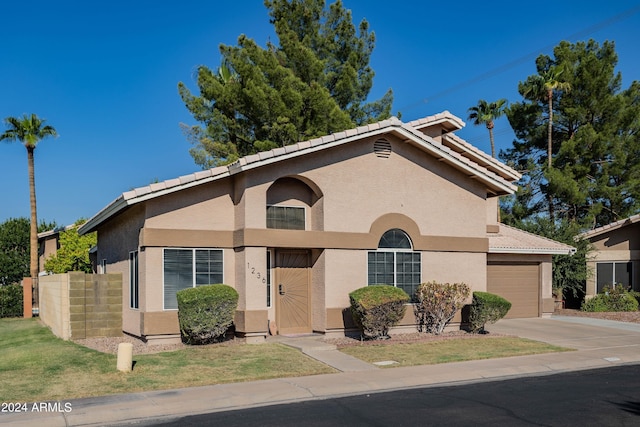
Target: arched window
(395,263)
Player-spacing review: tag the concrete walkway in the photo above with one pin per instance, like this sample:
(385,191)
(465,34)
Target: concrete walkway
(598,344)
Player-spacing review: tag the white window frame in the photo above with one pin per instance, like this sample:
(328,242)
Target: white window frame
(103,266)
(395,252)
(193,269)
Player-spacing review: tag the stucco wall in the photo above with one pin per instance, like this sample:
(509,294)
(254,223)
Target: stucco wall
(621,245)
(116,239)
(204,207)
(359,187)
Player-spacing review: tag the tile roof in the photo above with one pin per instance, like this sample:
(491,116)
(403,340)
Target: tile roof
(410,132)
(512,240)
(610,227)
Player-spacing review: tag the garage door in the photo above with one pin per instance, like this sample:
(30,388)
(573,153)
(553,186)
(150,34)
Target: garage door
(519,284)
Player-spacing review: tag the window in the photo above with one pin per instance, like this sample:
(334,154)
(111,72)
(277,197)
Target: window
(103,266)
(133,280)
(187,268)
(609,274)
(286,217)
(268,279)
(394,263)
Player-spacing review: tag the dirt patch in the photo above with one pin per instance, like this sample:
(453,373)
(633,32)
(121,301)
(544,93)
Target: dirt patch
(110,344)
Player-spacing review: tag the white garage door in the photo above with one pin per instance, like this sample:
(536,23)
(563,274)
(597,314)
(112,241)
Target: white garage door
(519,284)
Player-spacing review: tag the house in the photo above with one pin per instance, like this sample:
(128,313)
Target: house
(297,228)
(615,258)
(48,245)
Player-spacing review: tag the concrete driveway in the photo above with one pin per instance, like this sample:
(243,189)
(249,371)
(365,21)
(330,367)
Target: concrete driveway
(580,333)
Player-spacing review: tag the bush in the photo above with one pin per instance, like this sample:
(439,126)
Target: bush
(11,301)
(616,299)
(438,303)
(377,308)
(205,313)
(486,308)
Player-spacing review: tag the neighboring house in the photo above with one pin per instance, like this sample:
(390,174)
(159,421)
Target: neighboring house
(294,230)
(48,245)
(616,255)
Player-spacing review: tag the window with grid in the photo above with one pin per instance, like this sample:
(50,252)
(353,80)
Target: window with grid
(394,263)
(187,268)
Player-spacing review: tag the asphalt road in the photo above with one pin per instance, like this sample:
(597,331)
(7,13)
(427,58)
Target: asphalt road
(601,397)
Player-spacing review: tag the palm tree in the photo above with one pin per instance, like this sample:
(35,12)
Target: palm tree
(29,130)
(485,113)
(542,87)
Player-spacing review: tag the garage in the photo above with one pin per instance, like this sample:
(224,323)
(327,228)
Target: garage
(519,284)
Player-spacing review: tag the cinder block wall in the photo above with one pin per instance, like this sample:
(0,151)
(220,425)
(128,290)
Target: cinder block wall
(78,305)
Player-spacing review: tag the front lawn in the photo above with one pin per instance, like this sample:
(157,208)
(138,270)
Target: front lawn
(449,350)
(35,365)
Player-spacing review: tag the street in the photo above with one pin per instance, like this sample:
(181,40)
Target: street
(600,397)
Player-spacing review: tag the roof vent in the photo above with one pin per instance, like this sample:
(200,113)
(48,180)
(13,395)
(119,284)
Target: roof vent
(382,148)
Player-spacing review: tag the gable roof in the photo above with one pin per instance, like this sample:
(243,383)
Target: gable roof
(510,240)
(494,175)
(610,227)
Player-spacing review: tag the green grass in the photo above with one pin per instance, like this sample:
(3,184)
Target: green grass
(450,350)
(35,365)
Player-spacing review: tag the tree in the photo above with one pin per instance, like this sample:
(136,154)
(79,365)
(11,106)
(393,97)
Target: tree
(29,131)
(315,82)
(594,177)
(486,113)
(542,87)
(14,250)
(73,254)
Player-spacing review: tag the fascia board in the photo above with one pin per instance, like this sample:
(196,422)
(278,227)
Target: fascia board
(436,151)
(532,251)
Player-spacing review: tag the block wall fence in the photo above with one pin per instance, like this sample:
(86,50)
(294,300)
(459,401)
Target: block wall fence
(76,305)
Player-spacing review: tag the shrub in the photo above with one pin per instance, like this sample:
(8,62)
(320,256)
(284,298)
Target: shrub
(205,313)
(616,299)
(11,301)
(486,308)
(376,308)
(438,303)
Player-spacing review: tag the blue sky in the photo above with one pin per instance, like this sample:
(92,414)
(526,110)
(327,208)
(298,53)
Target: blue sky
(105,75)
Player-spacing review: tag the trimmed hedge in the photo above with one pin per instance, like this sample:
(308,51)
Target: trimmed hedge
(616,299)
(11,301)
(205,313)
(377,308)
(486,308)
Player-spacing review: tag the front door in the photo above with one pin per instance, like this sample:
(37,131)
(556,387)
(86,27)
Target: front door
(293,297)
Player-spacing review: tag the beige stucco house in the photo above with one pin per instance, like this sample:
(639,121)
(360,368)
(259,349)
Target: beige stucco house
(615,258)
(297,228)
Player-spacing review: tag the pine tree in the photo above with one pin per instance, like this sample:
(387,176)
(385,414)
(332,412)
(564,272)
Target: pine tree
(315,82)
(595,174)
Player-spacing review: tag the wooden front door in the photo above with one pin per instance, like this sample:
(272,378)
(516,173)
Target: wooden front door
(293,296)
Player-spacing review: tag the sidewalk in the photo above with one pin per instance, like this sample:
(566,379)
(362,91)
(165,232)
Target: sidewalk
(599,343)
